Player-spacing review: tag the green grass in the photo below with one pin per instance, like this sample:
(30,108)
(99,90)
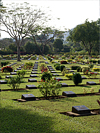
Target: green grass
(44,116)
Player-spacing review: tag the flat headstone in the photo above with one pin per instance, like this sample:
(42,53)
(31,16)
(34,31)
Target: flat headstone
(15,70)
(19,68)
(33,75)
(13,73)
(28,97)
(31,87)
(80,109)
(33,72)
(55,74)
(83,77)
(46,62)
(36,62)
(32,80)
(3,82)
(53,71)
(91,83)
(58,78)
(9,76)
(34,69)
(64,85)
(69,93)
(71,70)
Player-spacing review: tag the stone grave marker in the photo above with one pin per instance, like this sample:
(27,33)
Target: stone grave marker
(33,72)
(31,87)
(83,77)
(81,109)
(33,75)
(3,82)
(19,68)
(91,83)
(32,80)
(34,69)
(53,71)
(28,97)
(69,94)
(55,74)
(64,85)
(9,76)
(13,73)
(58,78)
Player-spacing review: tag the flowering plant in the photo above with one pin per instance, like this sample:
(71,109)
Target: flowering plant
(7,69)
(49,87)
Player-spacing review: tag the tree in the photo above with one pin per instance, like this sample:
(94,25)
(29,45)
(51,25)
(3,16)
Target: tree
(29,47)
(58,44)
(87,34)
(12,47)
(18,20)
(44,35)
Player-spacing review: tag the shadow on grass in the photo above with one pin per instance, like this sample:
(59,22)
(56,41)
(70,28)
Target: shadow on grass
(26,121)
(64,99)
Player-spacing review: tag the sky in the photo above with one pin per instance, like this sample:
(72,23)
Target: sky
(70,12)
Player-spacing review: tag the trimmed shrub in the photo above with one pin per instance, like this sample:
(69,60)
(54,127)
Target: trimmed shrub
(21,73)
(4,63)
(77,78)
(46,75)
(98,61)
(79,69)
(74,67)
(57,66)
(62,67)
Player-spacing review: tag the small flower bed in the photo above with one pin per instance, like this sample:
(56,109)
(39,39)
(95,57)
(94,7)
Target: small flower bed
(7,69)
(69,76)
(96,69)
(63,62)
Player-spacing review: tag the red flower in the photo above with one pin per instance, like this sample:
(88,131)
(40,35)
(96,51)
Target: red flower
(58,80)
(54,78)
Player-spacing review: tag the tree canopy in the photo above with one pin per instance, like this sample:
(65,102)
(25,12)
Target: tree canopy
(87,34)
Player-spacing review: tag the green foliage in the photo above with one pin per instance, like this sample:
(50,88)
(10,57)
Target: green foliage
(21,73)
(85,70)
(74,67)
(28,65)
(46,76)
(4,63)
(87,34)
(77,78)
(58,44)
(69,76)
(62,67)
(79,69)
(7,69)
(14,82)
(49,87)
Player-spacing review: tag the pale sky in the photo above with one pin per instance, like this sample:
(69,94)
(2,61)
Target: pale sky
(70,12)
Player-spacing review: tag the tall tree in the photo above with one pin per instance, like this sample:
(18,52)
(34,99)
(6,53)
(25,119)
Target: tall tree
(18,19)
(47,35)
(58,44)
(87,34)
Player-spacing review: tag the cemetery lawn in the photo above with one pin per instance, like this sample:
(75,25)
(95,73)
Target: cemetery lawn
(43,116)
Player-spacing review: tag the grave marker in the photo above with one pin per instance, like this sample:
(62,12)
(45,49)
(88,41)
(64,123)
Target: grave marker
(80,109)
(28,97)
(31,87)
(69,94)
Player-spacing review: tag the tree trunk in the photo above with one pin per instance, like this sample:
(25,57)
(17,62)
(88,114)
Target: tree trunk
(18,53)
